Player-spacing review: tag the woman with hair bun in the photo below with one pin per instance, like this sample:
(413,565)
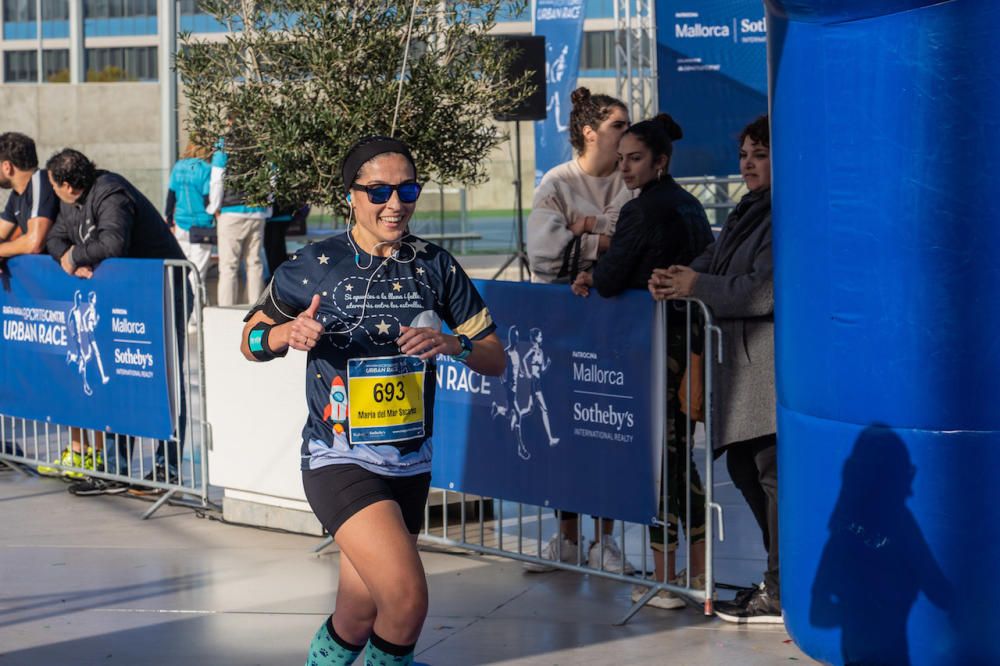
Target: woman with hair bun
(664,222)
(572,218)
(576,204)
(665,225)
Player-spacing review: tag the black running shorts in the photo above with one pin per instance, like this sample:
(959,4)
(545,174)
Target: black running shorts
(337,492)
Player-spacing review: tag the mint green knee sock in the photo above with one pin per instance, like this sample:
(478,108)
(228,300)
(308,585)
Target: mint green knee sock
(329,649)
(381,652)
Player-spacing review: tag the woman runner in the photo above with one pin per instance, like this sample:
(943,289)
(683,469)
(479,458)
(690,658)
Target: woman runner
(366,306)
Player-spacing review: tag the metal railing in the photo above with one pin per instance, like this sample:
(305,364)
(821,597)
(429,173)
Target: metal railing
(718,194)
(493,536)
(160,468)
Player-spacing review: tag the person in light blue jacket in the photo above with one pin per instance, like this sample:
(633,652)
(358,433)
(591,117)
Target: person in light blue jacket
(187,197)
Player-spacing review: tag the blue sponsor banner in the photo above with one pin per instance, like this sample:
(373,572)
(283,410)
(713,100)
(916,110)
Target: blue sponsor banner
(88,353)
(576,421)
(561,23)
(712,62)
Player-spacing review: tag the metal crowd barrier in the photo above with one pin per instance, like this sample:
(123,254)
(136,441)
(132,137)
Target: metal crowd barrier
(35,443)
(717,194)
(494,536)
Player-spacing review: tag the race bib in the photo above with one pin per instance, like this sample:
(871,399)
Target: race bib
(386,397)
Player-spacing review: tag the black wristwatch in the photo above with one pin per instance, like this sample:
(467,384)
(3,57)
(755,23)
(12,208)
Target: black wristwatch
(466,348)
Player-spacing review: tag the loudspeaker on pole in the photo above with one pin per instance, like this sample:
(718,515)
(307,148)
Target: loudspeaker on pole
(529,56)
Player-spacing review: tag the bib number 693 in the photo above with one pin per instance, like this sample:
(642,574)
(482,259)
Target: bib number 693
(388,391)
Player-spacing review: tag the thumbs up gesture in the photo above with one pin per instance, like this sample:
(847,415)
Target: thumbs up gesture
(306,331)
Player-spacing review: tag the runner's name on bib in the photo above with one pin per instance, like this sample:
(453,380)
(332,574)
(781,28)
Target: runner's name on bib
(386,397)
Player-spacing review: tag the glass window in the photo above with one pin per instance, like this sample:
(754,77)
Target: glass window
(19,19)
(115,18)
(119,8)
(193,19)
(598,50)
(20,66)
(121,64)
(55,10)
(95,9)
(55,19)
(55,64)
(18,11)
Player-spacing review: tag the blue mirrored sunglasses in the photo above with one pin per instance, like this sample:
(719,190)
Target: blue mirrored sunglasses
(379,194)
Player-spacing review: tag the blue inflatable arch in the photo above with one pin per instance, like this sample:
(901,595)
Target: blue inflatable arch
(886,154)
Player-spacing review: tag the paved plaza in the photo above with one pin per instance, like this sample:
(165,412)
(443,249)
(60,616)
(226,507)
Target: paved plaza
(86,582)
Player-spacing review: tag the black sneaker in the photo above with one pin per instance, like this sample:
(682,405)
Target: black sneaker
(744,594)
(90,486)
(757,608)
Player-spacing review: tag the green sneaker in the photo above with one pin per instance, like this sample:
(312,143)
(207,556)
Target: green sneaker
(69,458)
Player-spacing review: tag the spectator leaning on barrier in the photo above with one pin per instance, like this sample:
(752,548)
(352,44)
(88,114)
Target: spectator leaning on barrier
(103,216)
(32,207)
(240,231)
(576,204)
(572,218)
(24,225)
(366,475)
(187,197)
(735,278)
(664,225)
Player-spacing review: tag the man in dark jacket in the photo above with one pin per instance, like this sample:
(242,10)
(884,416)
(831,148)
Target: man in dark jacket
(103,216)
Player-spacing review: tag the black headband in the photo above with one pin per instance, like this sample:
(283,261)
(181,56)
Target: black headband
(367,149)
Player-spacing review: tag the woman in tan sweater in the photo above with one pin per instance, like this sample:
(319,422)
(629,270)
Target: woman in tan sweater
(573,216)
(576,205)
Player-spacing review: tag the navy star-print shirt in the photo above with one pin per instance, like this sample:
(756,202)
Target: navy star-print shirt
(363,303)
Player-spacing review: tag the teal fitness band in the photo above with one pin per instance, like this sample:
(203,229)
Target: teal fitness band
(257,342)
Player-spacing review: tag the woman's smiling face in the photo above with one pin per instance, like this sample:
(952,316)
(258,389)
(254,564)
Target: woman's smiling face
(384,223)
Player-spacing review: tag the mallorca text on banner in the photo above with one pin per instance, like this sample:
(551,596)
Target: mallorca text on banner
(575,422)
(561,23)
(712,62)
(88,353)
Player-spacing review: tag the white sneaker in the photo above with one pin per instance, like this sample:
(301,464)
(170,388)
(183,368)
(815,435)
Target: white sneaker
(612,557)
(664,599)
(557,548)
(697,582)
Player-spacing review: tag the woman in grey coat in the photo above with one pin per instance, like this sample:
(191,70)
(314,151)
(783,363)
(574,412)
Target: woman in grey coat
(734,277)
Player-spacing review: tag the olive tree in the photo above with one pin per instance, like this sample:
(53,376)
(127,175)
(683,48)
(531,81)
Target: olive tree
(293,83)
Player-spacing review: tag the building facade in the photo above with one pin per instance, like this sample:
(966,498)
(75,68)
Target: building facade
(86,74)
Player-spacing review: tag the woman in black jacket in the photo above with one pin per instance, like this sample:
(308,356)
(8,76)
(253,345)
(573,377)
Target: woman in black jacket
(665,223)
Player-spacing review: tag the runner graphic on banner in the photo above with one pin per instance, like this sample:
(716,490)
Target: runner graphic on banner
(561,23)
(82,323)
(536,363)
(511,411)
